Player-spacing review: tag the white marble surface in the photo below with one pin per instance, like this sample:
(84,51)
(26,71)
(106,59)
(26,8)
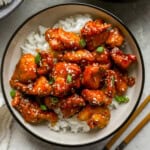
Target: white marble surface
(135,13)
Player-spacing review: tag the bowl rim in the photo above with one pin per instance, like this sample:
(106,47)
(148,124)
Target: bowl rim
(65,4)
(18,3)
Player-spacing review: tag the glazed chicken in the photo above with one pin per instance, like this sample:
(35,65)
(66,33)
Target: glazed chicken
(96,116)
(111,78)
(95,33)
(102,57)
(31,111)
(66,77)
(115,83)
(80,76)
(40,87)
(96,97)
(122,60)
(71,105)
(45,64)
(115,38)
(92,76)
(79,57)
(25,70)
(59,39)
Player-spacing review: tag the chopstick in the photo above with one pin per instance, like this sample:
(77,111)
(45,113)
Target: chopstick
(135,114)
(133,133)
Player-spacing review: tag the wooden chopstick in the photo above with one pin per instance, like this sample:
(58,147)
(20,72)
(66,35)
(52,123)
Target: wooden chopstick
(133,133)
(135,114)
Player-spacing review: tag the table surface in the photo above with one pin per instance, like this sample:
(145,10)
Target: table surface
(134,13)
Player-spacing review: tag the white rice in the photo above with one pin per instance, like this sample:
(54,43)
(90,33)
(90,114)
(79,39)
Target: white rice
(69,124)
(73,23)
(36,40)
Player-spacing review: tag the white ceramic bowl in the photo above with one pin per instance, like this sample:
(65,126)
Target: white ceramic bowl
(49,17)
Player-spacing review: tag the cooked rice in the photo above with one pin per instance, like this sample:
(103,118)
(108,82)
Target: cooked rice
(34,41)
(73,23)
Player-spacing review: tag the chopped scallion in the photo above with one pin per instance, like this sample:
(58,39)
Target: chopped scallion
(51,80)
(37,58)
(100,49)
(69,78)
(12,93)
(82,43)
(121,99)
(43,107)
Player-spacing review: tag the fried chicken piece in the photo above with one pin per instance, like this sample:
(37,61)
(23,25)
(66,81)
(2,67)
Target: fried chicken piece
(86,113)
(71,105)
(102,57)
(79,56)
(96,116)
(51,102)
(122,60)
(97,40)
(72,101)
(95,33)
(40,87)
(91,77)
(115,83)
(110,79)
(96,97)
(121,83)
(115,38)
(59,39)
(98,121)
(25,70)
(104,67)
(94,27)
(31,112)
(62,69)
(60,88)
(46,63)
(66,76)
(69,112)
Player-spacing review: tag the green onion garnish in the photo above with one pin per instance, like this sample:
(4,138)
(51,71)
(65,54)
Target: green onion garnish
(112,80)
(12,93)
(121,99)
(69,78)
(82,43)
(100,49)
(37,58)
(43,107)
(51,80)
(54,100)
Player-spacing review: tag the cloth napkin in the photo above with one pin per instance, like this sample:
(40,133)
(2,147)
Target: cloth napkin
(5,123)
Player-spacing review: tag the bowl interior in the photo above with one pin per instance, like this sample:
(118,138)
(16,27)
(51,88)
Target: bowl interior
(48,18)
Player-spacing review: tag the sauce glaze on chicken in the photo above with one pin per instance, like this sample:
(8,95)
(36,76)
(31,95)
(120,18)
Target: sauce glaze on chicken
(80,75)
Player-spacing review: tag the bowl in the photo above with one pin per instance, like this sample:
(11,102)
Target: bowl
(12,53)
(5,10)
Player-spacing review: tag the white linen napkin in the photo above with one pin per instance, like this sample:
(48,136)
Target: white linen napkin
(5,127)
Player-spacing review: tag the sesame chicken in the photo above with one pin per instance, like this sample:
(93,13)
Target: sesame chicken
(121,59)
(30,110)
(59,39)
(96,97)
(78,76)
(25,70)
(95,33)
